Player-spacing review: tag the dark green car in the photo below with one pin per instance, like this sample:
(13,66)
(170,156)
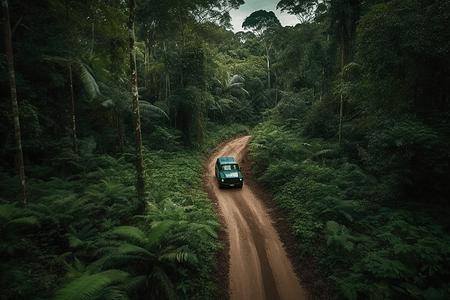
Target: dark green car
(228,172)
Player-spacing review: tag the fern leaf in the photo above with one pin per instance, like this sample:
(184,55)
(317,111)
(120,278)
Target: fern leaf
(181,254)
(89,287)
(74,242)
(134,283)
(6,211)
(128,248)
(25,221)
(332,227)
(165,282)
(158,228)
(133,233)
(114,293)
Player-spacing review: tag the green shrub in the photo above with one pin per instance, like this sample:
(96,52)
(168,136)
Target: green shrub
(340,213)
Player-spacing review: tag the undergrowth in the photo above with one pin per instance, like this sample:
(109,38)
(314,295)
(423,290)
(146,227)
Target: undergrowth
(80,236)
(371,245)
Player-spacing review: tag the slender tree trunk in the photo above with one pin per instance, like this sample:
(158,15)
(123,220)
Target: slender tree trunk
(120,128)
(72,107)
(341,117)
(341,106)
(146,63)
(136,115)
(15,105)
(268,63)
(268,71)
(93,36)
(72,98)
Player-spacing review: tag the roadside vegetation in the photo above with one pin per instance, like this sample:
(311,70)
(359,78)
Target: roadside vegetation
(349,117)
(81,233)
(367,194)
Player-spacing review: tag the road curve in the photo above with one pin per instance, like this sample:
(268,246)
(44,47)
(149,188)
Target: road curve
(259,266)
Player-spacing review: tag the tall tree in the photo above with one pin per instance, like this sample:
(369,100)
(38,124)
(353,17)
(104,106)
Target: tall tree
(72,98)
(344,15)
(15,105)
(305,10)
(260,21)
(135,111)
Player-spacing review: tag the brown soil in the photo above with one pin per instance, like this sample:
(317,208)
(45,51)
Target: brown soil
(260,255)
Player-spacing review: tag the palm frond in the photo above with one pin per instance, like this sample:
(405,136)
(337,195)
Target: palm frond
(236,78)
(90,84)
(146,108)
(108,103)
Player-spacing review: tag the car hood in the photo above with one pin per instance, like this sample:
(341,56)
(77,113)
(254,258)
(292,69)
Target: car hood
(230,174)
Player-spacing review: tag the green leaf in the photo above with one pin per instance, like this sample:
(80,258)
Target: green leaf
(133,233)
(128,248)
(32,220)
(89,287)
(158,228)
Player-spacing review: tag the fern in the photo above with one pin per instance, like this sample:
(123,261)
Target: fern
(133,234)
(133,249)
(159,227)
(338,236)
(79,238)
(89,287)
(165,282)
(180,254)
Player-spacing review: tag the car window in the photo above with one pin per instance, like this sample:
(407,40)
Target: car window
(229,167)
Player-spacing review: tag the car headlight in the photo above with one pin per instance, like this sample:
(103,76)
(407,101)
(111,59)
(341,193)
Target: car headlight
(223,180)
(240,179)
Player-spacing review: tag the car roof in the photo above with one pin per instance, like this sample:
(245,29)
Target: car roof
(226,160)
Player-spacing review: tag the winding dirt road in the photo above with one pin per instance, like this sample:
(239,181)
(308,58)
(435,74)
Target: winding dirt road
(259,267)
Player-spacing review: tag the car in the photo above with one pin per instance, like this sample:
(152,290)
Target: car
(228,173)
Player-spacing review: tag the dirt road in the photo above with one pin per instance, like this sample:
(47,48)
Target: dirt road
(259,267)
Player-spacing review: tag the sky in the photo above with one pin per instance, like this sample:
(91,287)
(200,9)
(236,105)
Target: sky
(238,16)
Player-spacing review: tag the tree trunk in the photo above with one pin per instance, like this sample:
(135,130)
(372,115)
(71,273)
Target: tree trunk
(15,106)
(268,71)
(267,47)
(72,107)
(136,115)
(341,106)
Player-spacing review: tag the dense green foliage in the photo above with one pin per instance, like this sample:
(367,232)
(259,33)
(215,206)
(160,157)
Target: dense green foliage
(371,211)
(81,230)
(82,234)
(368,202)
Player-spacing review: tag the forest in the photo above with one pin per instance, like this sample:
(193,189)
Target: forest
(108,108)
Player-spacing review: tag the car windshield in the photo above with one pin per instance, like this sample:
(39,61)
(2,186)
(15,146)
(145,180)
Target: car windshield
(229,167)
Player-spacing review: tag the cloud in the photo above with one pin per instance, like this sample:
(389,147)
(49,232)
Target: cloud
(238,16)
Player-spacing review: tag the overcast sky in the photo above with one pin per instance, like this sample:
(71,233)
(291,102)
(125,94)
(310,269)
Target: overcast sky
(250,6)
